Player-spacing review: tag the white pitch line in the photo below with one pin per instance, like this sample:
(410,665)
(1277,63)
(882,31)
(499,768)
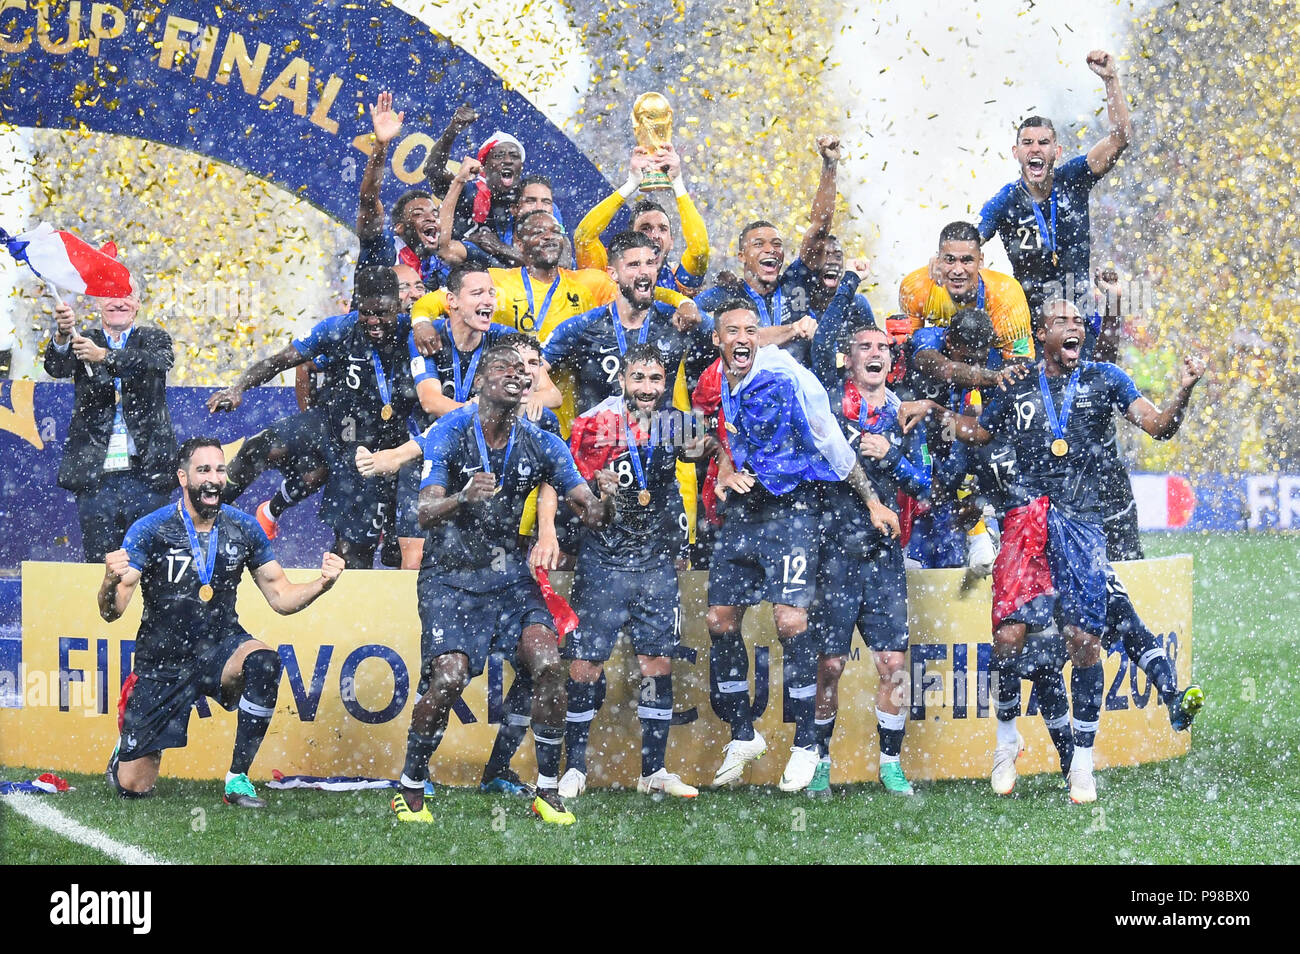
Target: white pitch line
(42,813)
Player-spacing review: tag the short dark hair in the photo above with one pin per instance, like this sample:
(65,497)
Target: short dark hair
(407,197)
(736,304)
(973,328)
(456,277)
(493,353)
(644,206)
(756,224)
(535,178)
(190,446)
(1050,304)
(375,281)
(855,325)
(959,232)
(1034,121)
(517,340)
(624,242)
(645,353)
(520,222)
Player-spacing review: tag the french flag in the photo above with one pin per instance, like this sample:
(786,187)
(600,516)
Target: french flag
(1164,501)
(65,261)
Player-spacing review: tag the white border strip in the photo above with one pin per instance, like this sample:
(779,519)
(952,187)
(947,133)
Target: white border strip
(36,809)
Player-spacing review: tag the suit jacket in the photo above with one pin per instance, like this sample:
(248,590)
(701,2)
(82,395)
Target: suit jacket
(142,366)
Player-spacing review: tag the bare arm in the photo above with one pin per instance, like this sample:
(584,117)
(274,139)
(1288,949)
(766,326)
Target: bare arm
(812,248)
(1164,424)
(287,598)
(963,427)
(120,581)
(1102,156)
(934,364)
(387,124)
(546,553)
(435,167)
(259,373)
(377,463)
(596,512)
(451,249)
(432,400)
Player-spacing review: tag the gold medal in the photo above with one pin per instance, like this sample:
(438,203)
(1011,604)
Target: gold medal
(206,592)
(386,412)
(643,498)
(731,427)
(1060,447)
(1054,259)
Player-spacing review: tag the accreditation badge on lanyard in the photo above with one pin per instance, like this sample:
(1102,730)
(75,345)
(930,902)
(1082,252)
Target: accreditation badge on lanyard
(118,456)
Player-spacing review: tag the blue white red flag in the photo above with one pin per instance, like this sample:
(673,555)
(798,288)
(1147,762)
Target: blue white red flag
(67,262)
(784,432)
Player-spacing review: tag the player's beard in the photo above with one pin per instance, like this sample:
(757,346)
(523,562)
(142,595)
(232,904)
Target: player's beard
(195,495)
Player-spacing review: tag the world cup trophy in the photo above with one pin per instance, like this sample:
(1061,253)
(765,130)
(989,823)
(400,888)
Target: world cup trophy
(652,122)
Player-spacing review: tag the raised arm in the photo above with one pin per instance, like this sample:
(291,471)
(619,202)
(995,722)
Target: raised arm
(695,259)
(435,167)
(120,581)
(588,251)
(386,124)
(1102,156)
(451,249)
(934,364)
(813,245)
(287,598)
(60,362)
(1164,424)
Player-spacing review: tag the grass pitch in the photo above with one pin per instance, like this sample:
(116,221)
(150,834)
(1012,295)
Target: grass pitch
(1232,800)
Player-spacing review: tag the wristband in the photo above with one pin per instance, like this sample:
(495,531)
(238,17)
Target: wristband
(679,187)
(628,188)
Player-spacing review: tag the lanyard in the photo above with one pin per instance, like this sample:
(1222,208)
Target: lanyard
(766,318)
(979,300)
(1058,424)
(482,445)
(638,467)
(463,389)
(618,328)
(202,567)
(385,394)
(538,319)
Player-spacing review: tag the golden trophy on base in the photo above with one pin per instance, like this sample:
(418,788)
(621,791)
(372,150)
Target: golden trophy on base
(652,122)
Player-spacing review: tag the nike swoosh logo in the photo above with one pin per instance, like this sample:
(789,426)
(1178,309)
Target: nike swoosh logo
(786,591)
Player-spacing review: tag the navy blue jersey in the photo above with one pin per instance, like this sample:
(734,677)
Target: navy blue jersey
(845,306)
(441,366)
(642,535)
(774,309)
(477,548)
(903,468)
(177,626)
(1073,481)
(1010,213)
(587,344)
(350,393)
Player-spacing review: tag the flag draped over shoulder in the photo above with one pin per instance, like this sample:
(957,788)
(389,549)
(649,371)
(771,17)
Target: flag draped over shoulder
(785,432)
(69,263)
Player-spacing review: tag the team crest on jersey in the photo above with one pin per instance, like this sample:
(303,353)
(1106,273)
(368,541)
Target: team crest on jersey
(525,469)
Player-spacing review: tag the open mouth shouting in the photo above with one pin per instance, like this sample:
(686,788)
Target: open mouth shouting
(768,267)
(741,359)
(1036,167)
(1071,348)
(206,497)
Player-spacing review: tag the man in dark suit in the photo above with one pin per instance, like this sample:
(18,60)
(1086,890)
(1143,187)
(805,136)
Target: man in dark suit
(119,459)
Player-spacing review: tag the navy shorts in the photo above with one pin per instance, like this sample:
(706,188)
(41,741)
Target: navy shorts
(408,500)
(476,624)
(355,507)
(645,601)
(869,593)
(772,558)
(1076,554)
(304,437)
(158,713)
